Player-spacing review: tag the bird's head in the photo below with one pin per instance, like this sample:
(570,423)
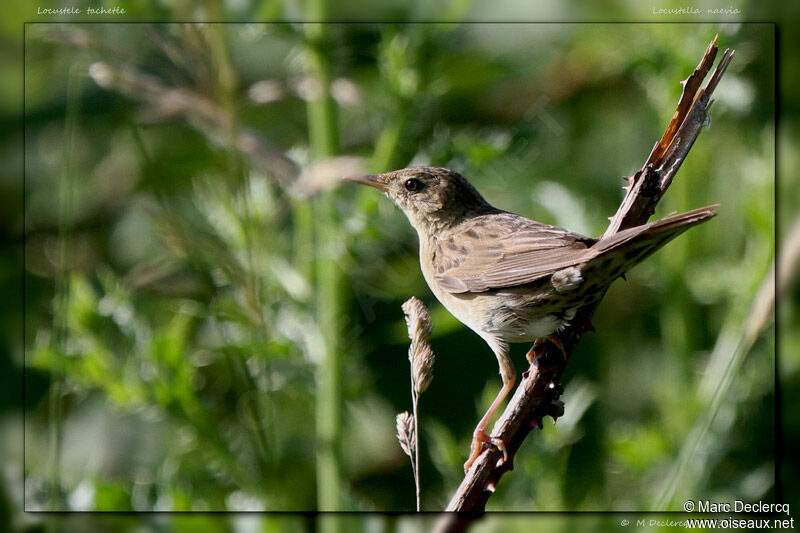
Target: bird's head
(431,197)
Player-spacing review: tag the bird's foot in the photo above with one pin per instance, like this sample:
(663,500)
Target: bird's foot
(538,350)
(480,437)
(532,352)
(555,341)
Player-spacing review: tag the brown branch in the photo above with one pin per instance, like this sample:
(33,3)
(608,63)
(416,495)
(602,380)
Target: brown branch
(538,394)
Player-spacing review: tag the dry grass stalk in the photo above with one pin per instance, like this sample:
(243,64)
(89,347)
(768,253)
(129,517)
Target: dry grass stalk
(406,432)
(421,358)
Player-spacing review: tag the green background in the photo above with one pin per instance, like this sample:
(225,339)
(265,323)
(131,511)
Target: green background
(182,296)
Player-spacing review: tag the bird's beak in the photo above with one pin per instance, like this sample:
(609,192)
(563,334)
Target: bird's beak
(370,179)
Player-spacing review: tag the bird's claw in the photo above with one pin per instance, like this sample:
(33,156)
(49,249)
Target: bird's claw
(538,349)
(474,452)
(532,352)
(500,445)
(479,438)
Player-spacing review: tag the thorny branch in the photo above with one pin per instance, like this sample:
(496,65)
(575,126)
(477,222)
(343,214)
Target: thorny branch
(538,394)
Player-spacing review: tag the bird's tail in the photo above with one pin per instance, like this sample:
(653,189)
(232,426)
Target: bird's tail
(618,253)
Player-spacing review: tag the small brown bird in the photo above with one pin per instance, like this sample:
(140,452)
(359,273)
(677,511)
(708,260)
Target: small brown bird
(506,277)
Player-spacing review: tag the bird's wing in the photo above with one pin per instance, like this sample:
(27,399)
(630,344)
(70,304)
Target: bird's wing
(504,250)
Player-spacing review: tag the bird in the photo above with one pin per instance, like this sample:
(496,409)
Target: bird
(508,278)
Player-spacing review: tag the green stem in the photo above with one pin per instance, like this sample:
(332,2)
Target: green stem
(322,120)
(62,286)
(225,75)
(415,400)
(329,394)
(303,237)
(383,160)
(324,142)
(415,411)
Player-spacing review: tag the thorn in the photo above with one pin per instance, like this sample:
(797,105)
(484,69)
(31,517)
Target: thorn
(556,410)
(537,423)
(623,278)
(589,326)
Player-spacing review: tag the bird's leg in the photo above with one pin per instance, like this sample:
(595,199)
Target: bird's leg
(479,436)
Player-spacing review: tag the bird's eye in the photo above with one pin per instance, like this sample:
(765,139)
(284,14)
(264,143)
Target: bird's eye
(412,185)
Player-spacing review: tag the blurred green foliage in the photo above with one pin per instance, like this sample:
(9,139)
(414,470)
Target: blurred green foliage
(172,260)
